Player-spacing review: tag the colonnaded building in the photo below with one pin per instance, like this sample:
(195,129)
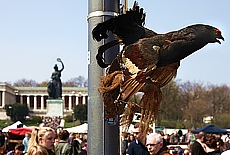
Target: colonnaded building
(36,98)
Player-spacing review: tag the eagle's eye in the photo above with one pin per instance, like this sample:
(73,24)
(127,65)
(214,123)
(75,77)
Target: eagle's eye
(218,32)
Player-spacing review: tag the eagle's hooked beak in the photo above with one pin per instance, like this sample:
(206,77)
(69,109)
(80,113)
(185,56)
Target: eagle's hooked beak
(219,37)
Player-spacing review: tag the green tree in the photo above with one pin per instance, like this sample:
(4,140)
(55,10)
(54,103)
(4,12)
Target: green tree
(17,111)
(80,112)
(170,108)
(222,120)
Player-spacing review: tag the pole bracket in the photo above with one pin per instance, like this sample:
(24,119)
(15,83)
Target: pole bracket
(101,13)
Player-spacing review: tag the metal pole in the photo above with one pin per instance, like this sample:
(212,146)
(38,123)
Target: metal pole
(95,104)
(98,11)
(112,128)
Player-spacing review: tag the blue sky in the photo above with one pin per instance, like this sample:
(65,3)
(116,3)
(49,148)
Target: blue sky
(33,34)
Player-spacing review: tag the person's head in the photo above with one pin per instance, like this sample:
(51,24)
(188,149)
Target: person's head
(37,150)
(43,136)
(154,143)
(138,133)
(124,134)
(72,135)
(202,136)
(18,149)
(28,134)
(186,152)
(150,130)
(63,135)
(131,137)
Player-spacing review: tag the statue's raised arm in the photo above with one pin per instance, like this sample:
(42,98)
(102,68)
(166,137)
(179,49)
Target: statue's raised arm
(59,60)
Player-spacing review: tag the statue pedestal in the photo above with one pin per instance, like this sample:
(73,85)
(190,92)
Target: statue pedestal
(54,107)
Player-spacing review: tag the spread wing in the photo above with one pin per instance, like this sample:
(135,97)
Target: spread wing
(127,27)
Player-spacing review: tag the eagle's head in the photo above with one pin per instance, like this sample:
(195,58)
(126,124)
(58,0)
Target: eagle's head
(207,33)
(217,35)
(214,34)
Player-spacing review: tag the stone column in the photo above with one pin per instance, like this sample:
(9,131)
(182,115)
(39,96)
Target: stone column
(77,100)
(42,102)
(21,99)
(63,99)
(70,103)
(3,98)
(28,102)
(83,99)
(35,102)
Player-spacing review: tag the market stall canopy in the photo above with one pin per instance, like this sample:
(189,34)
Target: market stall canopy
(20,131)
(210,129)
(83,128)
(13,126)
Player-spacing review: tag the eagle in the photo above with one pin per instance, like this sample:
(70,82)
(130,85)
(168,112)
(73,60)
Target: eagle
(147,62)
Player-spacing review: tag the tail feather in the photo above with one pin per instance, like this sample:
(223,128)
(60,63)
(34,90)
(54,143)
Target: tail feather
(121,25)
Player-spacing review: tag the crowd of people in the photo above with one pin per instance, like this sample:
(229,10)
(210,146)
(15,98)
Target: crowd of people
(161,144)
(52,122)
(47,141)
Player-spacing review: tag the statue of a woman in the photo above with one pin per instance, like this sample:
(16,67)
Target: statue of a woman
(55,85)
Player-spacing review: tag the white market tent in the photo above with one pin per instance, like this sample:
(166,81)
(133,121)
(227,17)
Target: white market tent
(13,126)
(83,128)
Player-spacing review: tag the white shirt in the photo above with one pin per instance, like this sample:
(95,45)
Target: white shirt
(226,152)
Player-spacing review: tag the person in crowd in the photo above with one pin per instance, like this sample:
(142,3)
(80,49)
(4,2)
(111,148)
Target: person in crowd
(137,147)
(37,150)
(25,141)
(124,143)
(63,147)
(190,138)
(186,152)
(155,145)
(84,148)
(174,137)
(71,137)
(225,138)
(150,130)
(220,145)
(167,138)
(2,143)
(43,137)
(130,138)
(76,142)
(18,150)
(199,146)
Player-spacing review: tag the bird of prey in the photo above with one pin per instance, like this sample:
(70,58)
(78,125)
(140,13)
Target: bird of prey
(147,62)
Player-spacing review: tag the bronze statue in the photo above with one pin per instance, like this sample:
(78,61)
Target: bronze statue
(55,85)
